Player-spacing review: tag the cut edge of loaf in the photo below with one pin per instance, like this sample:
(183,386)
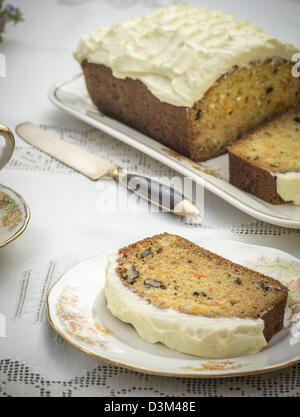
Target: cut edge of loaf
(264,95)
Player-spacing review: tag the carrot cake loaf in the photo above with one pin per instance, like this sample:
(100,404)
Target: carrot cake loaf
(192,78)
(267,162)
(192,300)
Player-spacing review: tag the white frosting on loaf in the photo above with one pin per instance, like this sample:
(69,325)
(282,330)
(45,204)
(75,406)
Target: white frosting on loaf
(179,51)
(288,186)
(196,335)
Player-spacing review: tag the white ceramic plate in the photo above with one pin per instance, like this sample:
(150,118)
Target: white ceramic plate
(77,310)
(72,97)
(14,215)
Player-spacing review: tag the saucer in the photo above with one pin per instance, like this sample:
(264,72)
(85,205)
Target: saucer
(14,215)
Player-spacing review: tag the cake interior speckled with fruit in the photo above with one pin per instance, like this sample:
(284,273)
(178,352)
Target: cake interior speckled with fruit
(192,78)
(192,300)
(266,163)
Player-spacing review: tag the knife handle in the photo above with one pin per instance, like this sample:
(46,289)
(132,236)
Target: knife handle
(161,195)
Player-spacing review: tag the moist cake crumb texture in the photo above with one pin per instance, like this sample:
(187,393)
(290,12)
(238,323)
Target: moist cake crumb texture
(171,272)
(275,145)
(272,149)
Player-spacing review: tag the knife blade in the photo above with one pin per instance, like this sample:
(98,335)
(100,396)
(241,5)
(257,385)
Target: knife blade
(94,167)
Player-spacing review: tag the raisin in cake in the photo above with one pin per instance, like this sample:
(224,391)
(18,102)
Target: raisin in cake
(266,163)
(194,79)
(175,292)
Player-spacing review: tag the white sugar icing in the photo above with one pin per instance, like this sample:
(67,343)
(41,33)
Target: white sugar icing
(179,51)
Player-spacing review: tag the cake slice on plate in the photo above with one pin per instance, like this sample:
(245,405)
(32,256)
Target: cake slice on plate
(266,163)
(192,78)
(192,300)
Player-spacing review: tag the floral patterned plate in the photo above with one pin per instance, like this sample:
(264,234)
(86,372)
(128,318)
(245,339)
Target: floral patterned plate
(77,310)
(72,97)
(14,215)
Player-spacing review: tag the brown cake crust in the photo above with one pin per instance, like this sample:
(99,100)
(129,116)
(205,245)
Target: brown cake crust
(132,103)
(251,178)
(272,314)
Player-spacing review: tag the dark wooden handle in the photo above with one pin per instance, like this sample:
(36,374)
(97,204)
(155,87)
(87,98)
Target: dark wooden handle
(161,195)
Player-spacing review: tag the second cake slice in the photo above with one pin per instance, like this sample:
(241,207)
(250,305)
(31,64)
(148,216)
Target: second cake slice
(267,162)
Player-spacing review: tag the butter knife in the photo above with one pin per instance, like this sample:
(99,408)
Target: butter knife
(94,167)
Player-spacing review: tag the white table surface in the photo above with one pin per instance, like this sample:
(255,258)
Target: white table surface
(66,226)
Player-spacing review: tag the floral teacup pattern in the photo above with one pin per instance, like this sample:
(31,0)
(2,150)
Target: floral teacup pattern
(14,215)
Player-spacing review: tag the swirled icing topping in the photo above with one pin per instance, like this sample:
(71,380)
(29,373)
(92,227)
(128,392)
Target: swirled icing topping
(179,51)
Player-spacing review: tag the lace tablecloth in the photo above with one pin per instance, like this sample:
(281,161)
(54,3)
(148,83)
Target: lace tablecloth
(66,226)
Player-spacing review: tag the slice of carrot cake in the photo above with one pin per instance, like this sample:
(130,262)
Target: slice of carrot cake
(194,301)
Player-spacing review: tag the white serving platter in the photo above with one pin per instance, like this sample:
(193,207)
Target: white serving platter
(72,97)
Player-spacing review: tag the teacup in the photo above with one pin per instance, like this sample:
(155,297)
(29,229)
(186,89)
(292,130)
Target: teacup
(9,146)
